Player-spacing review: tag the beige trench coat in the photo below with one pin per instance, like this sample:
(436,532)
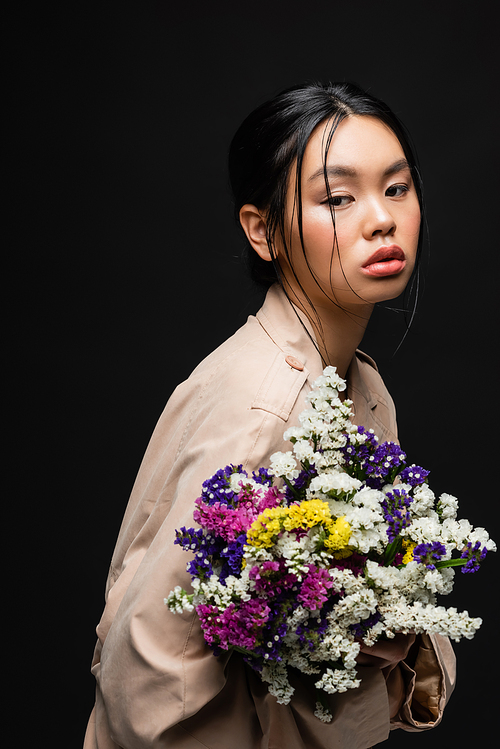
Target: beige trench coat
(158,683)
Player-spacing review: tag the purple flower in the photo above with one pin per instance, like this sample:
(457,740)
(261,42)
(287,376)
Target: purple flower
(223,520)
(414,475)
(235,626)
(271,498)
(232,556)
(207,549)
(272,578)
(296,491)
(312,630)
(474,555)
(203,547)
(217,487)
(373,462)
(263,476)
(314,588)
(360,629)
(428,554)
(357,455)
(384,463)
(396,513)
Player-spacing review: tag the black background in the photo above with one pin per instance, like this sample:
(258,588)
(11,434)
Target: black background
(123,273)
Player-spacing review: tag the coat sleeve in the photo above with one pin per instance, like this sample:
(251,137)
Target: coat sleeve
(429,682)
(153,668)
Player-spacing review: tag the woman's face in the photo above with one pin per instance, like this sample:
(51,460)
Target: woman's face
(377,217)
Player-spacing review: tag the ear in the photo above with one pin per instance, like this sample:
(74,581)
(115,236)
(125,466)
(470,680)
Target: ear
(254,226)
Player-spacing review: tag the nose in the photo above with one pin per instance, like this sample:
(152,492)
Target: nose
(378,219)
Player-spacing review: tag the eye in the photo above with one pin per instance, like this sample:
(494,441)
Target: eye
(339,201)
(396,191)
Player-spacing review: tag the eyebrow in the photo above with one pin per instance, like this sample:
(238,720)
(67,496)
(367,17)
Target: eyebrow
(347,171)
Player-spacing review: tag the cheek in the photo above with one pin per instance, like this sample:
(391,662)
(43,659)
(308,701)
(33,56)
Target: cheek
(318,238)
(411,224)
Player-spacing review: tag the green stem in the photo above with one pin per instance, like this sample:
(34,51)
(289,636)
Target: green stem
(392,550)
(451,563)
(291,487)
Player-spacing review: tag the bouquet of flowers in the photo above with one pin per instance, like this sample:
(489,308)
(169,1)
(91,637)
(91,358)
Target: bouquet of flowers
(339,542)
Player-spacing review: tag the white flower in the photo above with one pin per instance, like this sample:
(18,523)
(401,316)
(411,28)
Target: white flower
(456,531)
(284,465)
(255,555)
(236,479)
(364,540)
(322,399)
(178,600)
(304,451)
(312,422)
(424,530)
(354,608)
(383,577)
(423,500)
(440,581)
(338,680)
(331,379)
(370,498)
(295,433)
(333,481)
(322,713)
(481,535)
(431,619)
(275,674)
(345,580)
(447,506)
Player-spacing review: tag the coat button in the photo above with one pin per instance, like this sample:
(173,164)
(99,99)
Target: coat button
(294,363)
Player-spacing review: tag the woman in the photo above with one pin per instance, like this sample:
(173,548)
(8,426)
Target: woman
(327,192)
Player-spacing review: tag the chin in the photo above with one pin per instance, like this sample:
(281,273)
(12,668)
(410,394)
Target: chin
(386,289)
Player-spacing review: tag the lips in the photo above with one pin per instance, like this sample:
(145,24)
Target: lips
(385,261)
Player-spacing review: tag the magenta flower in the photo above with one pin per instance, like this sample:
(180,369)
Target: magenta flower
(314,588)
(235,626)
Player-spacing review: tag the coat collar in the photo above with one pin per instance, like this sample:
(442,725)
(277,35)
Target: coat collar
(292,332)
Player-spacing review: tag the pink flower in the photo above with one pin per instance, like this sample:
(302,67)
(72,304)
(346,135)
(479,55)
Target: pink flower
(224,521)
(313,591)
(239,626)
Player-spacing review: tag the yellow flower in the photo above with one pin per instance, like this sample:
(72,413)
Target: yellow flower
(408,547)
(339,533)
(309,513)
(269,524)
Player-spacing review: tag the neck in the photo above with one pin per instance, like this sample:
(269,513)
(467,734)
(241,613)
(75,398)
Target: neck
(338,331)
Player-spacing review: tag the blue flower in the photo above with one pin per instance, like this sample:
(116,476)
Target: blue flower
(428,554)
(204,548)
(414,475)
(231,556)
(218,489)
(360,629)
(474,555)
(396,513)
(371,461)
(297,490)
(385,461)
(263,476)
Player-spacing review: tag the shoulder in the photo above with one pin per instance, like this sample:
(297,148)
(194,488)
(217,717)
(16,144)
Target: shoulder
(373,404)
(248,371)
(233,408)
